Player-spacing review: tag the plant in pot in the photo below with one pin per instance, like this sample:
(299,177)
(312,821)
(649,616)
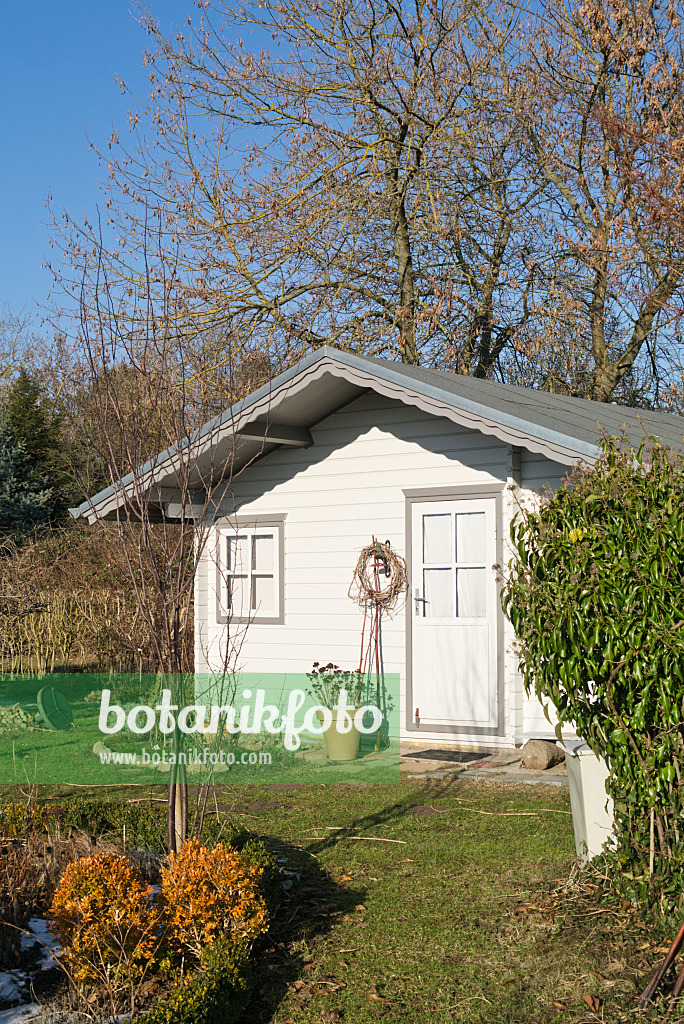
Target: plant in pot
(328,683)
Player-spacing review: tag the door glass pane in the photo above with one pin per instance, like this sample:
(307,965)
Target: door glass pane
(438,591)
(470,537)
(238,554)
(437,539)
(472,593)
(262,594)
(237,587)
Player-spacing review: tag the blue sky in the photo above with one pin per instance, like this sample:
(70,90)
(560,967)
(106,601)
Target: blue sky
(58,61)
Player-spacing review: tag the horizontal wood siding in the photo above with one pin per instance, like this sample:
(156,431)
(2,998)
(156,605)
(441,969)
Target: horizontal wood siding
(538,474)
(336,495)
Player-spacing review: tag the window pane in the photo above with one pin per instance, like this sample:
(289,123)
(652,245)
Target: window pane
(237,553)
(263,593)
(237,593)
(472,593)
(262,552)
(470,537)
(437,539)
(438,587)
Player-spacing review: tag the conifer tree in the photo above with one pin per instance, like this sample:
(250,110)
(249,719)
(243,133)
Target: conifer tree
(26,499)
(38,430)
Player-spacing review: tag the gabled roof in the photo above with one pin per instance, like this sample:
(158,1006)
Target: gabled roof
(282,413)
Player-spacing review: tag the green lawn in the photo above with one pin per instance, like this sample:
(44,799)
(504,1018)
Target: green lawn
(47,758)
(450,922)
(435,903)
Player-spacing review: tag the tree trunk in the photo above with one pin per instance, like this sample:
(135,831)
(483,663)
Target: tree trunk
(406,317)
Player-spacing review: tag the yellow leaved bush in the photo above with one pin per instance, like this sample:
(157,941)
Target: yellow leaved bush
(211,893)
(104,917)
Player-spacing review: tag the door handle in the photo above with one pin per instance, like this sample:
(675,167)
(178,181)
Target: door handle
(419,600)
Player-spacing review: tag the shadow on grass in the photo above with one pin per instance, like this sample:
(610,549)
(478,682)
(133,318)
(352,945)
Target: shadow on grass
(309,905)
(312,901)
(394,812)
(316,902)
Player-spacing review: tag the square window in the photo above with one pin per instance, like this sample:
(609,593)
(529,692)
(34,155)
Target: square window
(263,596)
(237,549)
(263,547)
(471,537)
(472,593)
(248,565)
(438,544)
(438,586)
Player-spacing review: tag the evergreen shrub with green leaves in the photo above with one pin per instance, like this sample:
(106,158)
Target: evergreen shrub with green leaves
(25,495)
(217,994)
(145,825)
(596,597)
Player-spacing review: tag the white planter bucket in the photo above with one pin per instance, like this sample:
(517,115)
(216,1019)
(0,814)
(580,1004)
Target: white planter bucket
(592,808)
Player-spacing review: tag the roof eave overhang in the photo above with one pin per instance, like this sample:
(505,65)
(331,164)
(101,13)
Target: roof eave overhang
(473,415)
(157,475)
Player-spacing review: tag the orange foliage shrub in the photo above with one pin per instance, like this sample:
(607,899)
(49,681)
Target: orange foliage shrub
(105,919)
(211,893)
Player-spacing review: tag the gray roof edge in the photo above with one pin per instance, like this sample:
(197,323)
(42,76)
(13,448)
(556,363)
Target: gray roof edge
(526,430)
(228,415)
(486,412)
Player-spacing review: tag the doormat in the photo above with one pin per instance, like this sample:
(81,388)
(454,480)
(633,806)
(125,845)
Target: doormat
(460,756)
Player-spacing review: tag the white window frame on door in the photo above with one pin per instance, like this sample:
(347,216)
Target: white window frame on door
(250,528)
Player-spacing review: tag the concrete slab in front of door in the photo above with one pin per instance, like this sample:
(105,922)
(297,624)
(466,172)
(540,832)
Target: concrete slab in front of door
(500,766)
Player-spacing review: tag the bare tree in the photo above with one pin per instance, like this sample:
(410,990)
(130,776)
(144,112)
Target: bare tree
(432,182)
(352,184)
(15,337)
(167,476)
(597,93)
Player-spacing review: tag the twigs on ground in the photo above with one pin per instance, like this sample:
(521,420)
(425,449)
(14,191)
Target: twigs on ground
(515,814)
(376,839)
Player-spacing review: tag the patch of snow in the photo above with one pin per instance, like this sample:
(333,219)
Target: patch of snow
(10,987)
(41,930)
(41,935)
(19,1013)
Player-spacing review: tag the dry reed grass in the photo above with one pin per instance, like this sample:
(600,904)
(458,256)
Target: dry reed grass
(67,602)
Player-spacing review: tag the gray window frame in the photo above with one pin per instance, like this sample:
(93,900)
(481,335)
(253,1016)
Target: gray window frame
(257,522)
(419,495)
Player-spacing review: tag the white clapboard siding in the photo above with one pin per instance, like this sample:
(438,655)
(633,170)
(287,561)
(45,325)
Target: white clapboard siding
(538,473)
(336,495)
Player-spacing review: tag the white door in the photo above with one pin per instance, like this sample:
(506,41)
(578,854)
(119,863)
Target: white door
(454,612)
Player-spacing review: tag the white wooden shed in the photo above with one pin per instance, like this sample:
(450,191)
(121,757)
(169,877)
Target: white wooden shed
(341,448)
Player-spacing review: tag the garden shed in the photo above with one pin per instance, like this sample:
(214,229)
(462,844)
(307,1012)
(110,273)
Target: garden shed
(341,448)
